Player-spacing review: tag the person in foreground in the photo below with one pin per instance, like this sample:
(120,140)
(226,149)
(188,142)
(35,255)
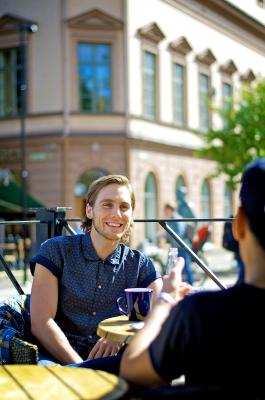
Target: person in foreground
(77,279)
(212,338)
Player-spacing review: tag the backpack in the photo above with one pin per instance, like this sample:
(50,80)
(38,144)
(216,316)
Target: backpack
(229,242)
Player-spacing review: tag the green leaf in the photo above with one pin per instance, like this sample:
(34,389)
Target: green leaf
(242,137)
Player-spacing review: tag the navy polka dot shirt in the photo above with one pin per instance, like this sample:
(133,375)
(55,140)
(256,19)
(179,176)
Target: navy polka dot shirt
(88,286)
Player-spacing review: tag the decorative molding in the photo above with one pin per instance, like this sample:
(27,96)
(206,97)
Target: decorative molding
(228,68)
(206,57)
(238,17)
(95,20)
(248,76)
(10,23)
(181,45)
(152,32)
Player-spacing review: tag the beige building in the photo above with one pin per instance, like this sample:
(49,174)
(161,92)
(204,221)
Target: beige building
(120,86)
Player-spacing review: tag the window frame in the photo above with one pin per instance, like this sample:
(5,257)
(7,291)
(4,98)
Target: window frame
(13,71)
(93,36)
(11,41)
(150,50)
(150,37)
(180,62)
(81,98)
(204,72)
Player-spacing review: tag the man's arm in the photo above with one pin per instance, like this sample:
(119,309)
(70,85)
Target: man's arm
(136,364)
(43,308)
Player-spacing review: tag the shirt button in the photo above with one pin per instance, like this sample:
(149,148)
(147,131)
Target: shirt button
(99,286)
(90,337)
(94,313)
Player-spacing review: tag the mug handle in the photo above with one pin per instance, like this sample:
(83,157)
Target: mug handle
(121,310)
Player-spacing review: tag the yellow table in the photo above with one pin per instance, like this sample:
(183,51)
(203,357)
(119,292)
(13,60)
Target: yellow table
(117,329)
(54,383)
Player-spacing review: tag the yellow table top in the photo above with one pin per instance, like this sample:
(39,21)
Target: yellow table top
(116,328)
(37,382)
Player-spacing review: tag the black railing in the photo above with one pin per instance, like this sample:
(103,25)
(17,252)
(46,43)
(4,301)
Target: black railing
(52,222)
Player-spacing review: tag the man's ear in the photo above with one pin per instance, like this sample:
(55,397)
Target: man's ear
(239,224)
(89,211)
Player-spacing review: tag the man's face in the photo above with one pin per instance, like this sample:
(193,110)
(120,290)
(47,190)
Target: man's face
(168,212)
(112,212)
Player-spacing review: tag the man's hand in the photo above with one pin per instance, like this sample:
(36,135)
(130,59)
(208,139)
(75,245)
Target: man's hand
(173,284)
(104,348)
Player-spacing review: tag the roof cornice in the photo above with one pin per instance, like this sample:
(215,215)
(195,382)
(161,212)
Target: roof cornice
(233,14)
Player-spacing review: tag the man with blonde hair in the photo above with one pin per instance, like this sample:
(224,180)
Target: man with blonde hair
(77,279)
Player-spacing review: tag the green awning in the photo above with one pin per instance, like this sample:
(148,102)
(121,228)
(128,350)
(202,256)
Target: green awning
(11,198)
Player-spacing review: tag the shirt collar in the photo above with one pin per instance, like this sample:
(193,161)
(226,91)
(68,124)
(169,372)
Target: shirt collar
(90,253)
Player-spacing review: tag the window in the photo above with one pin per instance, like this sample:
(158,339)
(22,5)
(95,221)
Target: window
(81,188)
(203,101)
(149,85)
(179,48)
(228,208)
(178,94)
(86,179)
(150,35)
(94,68)
(205,60)
(227,95)
(150,206)
(10,78)
(205,200)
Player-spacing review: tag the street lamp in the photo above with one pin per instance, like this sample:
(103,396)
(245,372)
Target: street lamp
(24,27)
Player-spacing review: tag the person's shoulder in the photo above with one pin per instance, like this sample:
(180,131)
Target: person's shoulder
(208,298)
(61,241)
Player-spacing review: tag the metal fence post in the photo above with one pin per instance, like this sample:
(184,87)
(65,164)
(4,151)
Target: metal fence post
(51,223)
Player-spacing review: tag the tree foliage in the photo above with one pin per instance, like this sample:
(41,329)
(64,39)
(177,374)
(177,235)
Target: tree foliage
(242,137)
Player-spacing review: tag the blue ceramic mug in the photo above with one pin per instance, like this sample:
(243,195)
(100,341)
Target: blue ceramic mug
(138,303)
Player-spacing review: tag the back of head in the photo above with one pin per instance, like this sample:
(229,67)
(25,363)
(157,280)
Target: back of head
(252,196)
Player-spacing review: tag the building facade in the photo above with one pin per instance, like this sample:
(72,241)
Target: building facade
(121,86)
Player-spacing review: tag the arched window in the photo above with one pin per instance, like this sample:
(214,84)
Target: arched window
(228,204)
(150,206)
(82,186)
(205,200)
(86,179)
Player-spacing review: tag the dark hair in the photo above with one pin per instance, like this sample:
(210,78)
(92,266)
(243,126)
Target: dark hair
(93,192)
(252,196)
(169,205)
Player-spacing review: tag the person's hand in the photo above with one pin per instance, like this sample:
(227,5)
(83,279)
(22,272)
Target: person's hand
(173,284)
(104,348)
